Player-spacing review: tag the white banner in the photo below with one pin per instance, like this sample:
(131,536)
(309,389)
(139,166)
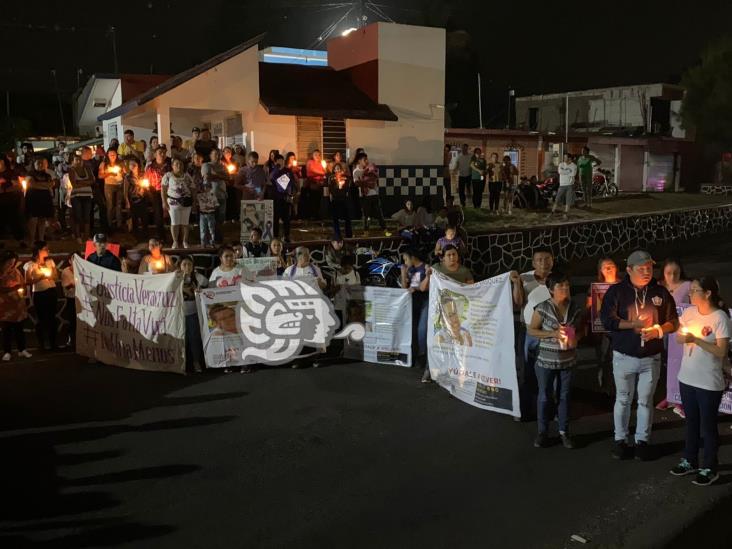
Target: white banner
(470,342)
(257,213)
(130,320)
(386,314)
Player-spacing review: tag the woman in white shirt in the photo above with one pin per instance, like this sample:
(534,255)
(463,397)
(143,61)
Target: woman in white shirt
(227,273)
(304,268)
(704,331)
(41,274)
(179,195)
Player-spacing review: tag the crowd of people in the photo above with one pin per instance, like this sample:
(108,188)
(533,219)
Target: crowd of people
(133,186)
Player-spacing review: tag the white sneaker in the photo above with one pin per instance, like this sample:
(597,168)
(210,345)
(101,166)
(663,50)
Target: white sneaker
(6,357)
(25,354)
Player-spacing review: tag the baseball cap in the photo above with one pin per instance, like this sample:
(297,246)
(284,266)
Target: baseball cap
(639,257)
(195,129)
(100,238)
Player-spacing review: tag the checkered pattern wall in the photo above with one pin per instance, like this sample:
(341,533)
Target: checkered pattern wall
(410,180)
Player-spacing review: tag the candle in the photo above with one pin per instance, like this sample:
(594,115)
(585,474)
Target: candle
(24,184)
(159,265)
(21,291)
(45,271)
(145,183)
(114,170)
(323,163)
(231,168)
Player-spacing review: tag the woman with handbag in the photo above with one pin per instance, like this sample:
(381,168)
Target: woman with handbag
(178,194)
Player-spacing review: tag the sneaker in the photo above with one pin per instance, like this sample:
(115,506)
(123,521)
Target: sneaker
(567,441)
(7,357)
(679,411)
(426,377)
(541,441)
(620,450)
(642,451)
(705,477)
(24,354)
(683,468)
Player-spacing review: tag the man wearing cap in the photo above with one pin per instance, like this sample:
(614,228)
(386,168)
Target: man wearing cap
(102,256)
(637,312)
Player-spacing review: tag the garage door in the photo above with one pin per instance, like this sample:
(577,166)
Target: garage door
(660,173)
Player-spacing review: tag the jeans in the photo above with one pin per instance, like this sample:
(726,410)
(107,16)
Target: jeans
(630,371)
(113,198)
(220,218)
(527,383)
(371,206)
(478,188)
(207,228)
(339,210)
(545,402)
(194,345)
(420,308)
(10,330)
(45,304)
(701,407)
(463,184)
(494,195)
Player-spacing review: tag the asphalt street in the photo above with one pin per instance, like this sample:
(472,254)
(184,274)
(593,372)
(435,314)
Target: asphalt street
(350,455)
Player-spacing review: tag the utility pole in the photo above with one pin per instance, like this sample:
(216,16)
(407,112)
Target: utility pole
(113,36)
(58,97)
(480,104)
(511,93)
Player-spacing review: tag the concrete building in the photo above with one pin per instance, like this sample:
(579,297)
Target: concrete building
(383,90)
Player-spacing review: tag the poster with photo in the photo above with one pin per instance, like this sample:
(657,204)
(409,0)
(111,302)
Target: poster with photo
(598,291)
(257,213)
(257,268)
(219,311)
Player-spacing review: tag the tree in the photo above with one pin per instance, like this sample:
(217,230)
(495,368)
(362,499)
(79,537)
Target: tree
(707,105)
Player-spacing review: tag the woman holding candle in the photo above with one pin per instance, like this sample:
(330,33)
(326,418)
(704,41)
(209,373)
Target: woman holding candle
(12,306)
(81,180)
(315,173)
(340,190)
(557,324)
(112,171)
(178,195)
(154,173)
(156,262)
(38,200)
(704,333)
(41,274)
(136,191)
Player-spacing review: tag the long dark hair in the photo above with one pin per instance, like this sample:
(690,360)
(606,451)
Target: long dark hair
(600,276)
(37,247)
(710,284)
(674,261)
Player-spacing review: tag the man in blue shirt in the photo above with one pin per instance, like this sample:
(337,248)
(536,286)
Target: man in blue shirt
(637,312)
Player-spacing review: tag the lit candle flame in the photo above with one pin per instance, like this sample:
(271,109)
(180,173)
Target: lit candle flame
(24,184)
(114,169)
(684,331)
(231,168)
(45,271)
(21,291)
(145,183)
(293,162)
(159,265)
(323,163)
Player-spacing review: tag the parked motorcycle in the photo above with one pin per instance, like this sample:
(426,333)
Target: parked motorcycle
(602,185)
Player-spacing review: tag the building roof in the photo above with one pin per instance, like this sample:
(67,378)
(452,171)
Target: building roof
(180,78)
(596,91)
(298,90)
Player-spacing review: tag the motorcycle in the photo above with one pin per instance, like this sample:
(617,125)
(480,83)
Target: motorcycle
(602,185)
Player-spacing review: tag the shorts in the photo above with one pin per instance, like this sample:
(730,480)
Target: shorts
(565,195)
(179,215)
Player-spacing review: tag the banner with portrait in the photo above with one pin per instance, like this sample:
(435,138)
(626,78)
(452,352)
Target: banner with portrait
(470,342)
(597,294)
(257,268)
(130,320)
(257,213)
(386,314)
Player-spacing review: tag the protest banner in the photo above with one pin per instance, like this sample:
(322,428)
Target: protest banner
(257,213)
(386,314)
(257,268)
(675,354)
(597,294)
(470,342)
(130,320)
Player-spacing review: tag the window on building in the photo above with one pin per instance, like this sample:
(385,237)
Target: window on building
(533,118)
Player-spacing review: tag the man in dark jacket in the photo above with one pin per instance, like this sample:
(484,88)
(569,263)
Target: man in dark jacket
(637,312)
(103,257)
(282,190)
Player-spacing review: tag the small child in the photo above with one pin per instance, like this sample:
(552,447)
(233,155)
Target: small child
(450,238)
(207,204)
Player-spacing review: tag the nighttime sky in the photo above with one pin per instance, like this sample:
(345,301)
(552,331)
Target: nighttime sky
(532,46)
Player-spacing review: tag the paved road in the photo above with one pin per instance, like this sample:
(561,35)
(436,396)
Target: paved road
(353,455)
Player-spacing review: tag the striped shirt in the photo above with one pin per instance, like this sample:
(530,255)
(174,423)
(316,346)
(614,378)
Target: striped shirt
(551,355)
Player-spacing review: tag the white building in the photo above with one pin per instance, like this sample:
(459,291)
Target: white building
(383,90)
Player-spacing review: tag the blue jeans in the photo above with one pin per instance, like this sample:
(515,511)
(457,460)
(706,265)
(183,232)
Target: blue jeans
(220,218)
(630,371)
(701,407)
(194,345)
(420,303)
(207,228)
(545,402)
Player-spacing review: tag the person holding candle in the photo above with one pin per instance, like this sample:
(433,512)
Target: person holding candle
(81,193)
(705,333)
(137,193)
(240,154)
(282,185)
(340,189)
(38,200)
(234,194)
(156,262)
(12,306)
(637,312)
(41,275)
(227,273)
(558,324)
(112,171)
(11,201)
(154,173)
(366,177)
(316,179)
(253,179)
(178,195)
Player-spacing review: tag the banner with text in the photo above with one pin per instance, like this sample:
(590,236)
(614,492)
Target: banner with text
(470,342)
(130,320)
(386,314)
(675,355)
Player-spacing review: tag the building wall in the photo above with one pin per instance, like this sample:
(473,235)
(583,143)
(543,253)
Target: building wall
(270,132)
